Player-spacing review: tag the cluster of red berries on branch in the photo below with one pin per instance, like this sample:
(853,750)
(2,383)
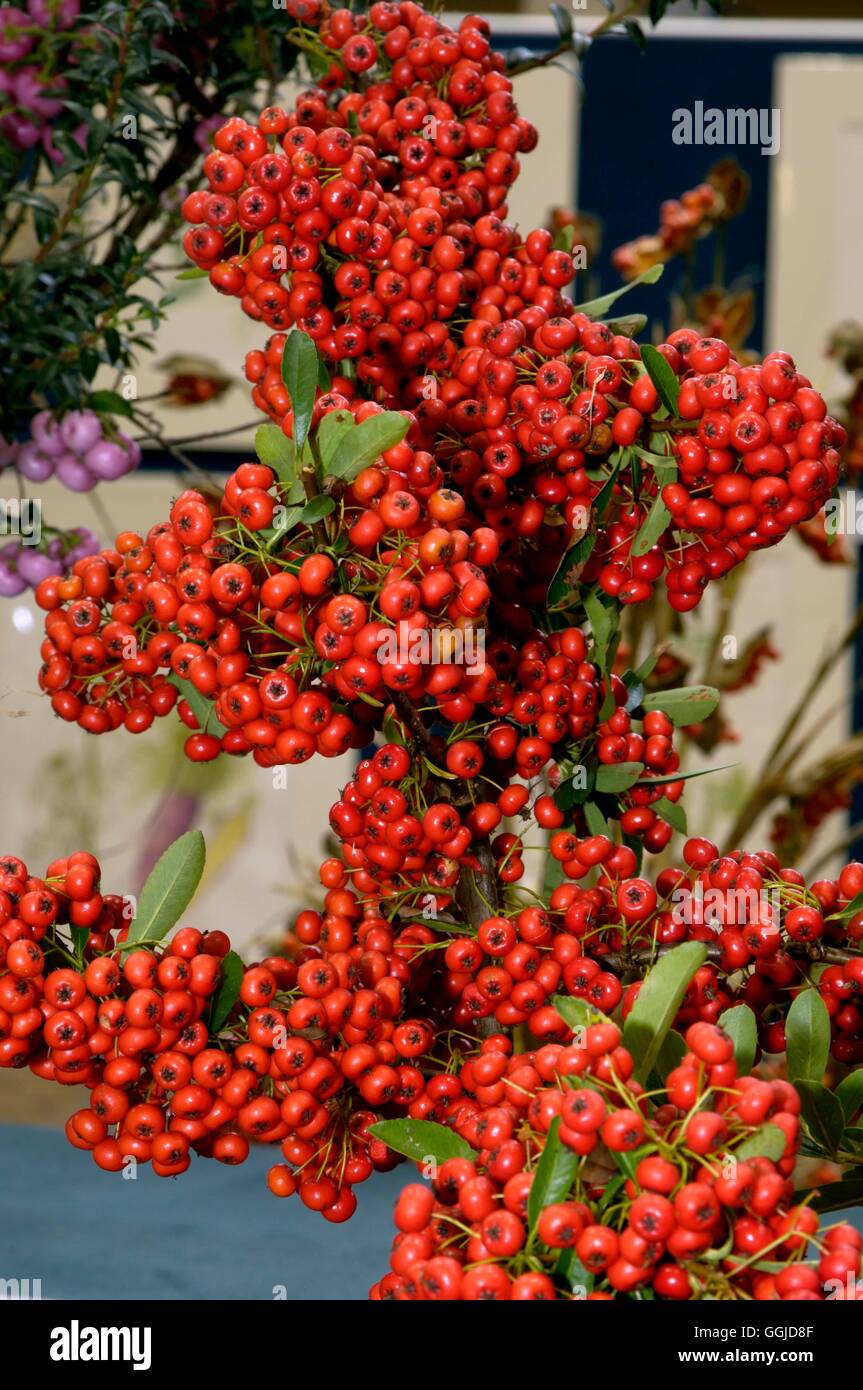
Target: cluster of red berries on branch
(697,1208)
(463,479)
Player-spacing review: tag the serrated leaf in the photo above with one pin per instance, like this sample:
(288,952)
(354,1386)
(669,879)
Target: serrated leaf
(654,526)
(807,1037)
(169,889)
(617,777)
(822,1113)
(317,508)
(228,991)
(688,704)
(672,812)
(366,442)
(849,1093)
(596,308)
(740,1025)
(658,1002)
(277,451)
(422,1140)
(553,1175)
(300,375)
(109,403)
(767,1142)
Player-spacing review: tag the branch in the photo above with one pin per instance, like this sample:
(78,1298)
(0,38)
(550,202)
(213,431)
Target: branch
(86,174)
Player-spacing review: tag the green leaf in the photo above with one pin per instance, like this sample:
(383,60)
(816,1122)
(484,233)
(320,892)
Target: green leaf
(671,811)
(553,875)
(850,909)
(662,375)
(193,273)
(671,1053)
(203,709)
(576,1013)
(767,1142)
(552,1176)
(658,1002)
(324,382)
(834,1196)
(277,451)
(739,1023)
(629,325)
(317,508)
(601,625)
(169,889)
(366,442)
(596,822)
(685,776)
(228,991)
(109,403)
(300,375)
(393,731)
(850,1094)
(822,1113)
(807,1037)
(617,777)
(422,1140)
(596,308)
(655,524)
(570,1269)
(333,426)
(561,587)
(689,704)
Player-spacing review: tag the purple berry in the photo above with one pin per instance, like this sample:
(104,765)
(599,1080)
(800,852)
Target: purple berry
(45,430)
(74,474)
(34,566)
(80,430)
(11,584)
(107,460)
(35,465)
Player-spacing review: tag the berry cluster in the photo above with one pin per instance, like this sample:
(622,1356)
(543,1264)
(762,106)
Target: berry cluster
(392,193)
(687,1195)
(25,565)
(76,450)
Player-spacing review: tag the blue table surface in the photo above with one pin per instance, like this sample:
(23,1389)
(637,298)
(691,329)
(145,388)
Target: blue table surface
(213,1233)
